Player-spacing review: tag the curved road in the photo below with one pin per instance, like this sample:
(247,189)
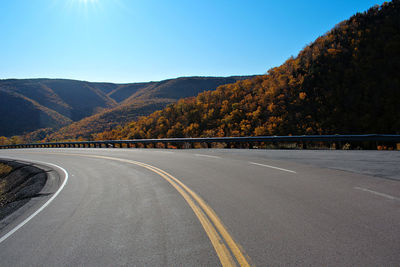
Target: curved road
(155,207)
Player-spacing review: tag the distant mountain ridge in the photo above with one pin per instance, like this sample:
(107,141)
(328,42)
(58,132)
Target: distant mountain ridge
(139,99)
(32,104)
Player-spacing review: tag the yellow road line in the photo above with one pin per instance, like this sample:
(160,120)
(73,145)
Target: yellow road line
(201,210)
(222,252)
(217,222)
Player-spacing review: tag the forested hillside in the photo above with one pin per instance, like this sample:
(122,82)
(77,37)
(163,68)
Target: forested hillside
(104,120)
(138,99)
(346,81)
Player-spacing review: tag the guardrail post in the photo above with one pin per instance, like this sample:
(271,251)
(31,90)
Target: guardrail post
(304,145)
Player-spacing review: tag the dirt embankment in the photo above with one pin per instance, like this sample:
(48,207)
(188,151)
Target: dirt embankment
(19,182)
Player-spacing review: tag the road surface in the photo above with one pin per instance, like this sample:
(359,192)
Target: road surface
(208,207)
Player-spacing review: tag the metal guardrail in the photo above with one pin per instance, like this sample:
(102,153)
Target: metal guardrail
(304,139)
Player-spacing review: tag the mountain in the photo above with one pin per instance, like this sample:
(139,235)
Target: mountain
(50,104)
(29,115)
(73,99)
(102,121)
(345,82)
(139,99)
(30,104)
(177,88)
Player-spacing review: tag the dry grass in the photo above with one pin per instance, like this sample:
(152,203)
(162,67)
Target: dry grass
(4,169)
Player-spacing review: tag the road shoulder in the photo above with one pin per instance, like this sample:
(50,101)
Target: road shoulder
(30,186)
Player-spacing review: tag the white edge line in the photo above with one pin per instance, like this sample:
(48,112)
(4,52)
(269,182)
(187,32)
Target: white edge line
(272,167)
(376,193)
(4,237)
(207,156)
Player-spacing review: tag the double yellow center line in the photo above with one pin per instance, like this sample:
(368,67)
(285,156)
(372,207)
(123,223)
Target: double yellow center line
(228,251)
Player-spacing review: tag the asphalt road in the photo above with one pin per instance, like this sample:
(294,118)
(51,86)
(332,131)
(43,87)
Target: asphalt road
(152,207)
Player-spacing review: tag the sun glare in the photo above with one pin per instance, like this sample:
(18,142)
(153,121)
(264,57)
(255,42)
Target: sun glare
(84,5)
(85,2)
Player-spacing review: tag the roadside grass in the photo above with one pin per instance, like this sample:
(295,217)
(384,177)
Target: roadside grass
(4,169)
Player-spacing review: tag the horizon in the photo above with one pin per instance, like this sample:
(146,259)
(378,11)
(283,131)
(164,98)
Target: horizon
(119,41)
(173,78)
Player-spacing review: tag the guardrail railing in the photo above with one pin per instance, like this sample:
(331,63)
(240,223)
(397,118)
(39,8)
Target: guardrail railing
(369,141)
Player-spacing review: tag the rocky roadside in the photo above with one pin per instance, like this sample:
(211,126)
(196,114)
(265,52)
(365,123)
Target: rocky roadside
(19,182)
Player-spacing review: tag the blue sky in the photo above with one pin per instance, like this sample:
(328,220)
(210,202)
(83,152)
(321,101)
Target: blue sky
(144,40)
